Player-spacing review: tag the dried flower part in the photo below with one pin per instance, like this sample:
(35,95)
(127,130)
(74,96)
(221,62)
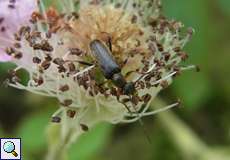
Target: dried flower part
(55,51)
(71,113)
(13,14)
(56,119)
(84,127)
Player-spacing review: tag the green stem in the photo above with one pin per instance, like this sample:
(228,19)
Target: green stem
(57,144)
(60,138)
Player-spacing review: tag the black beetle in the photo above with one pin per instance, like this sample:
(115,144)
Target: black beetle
(110,68)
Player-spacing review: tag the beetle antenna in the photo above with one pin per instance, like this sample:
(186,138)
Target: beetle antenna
(144,129)
(141,124)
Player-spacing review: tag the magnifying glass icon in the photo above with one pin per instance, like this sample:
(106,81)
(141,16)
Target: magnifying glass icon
(9,147)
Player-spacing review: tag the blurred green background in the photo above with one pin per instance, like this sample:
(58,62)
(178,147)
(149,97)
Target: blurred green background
(200,130)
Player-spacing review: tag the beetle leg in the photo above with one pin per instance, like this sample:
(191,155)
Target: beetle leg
(84,63)
(108,39)
(81,62)
(103,83)
(109,43)
(124,105)
(128,74)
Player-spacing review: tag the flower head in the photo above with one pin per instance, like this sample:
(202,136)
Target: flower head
(13,14)
(55,51)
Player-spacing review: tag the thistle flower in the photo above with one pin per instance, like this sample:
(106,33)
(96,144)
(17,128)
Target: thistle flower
(13,14)
(55,51)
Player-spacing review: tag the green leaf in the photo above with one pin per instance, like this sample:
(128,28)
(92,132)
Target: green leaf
(224,5)
(32,131)
(5,66)
(192,88)
(90,143)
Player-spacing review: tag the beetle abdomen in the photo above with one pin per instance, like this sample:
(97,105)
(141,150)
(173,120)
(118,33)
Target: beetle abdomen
(104,58)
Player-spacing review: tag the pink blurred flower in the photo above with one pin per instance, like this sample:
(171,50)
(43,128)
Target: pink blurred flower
(13,14)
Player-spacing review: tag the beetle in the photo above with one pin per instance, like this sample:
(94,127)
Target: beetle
(112,71)
(110,68)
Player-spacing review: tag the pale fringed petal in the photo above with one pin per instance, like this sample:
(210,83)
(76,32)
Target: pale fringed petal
(13,14)
(147,46)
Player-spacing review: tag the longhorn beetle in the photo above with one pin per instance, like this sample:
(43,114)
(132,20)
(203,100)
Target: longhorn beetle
(110,68)
(112,71)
